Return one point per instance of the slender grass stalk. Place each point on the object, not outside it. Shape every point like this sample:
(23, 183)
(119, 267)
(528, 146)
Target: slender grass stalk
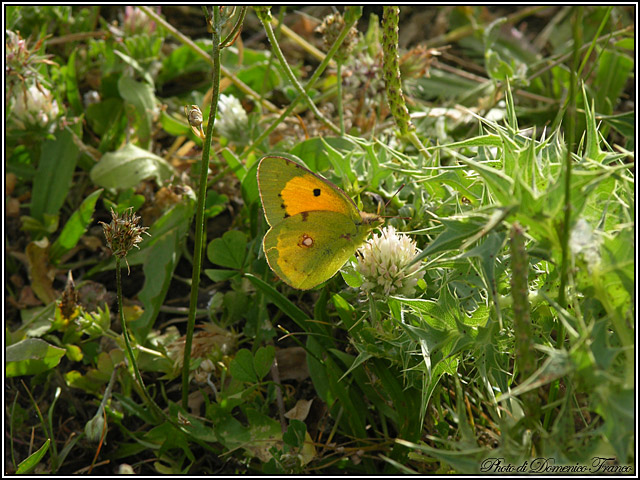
(265, 17)
(571, 135)
(339, 99)
(298, 40)
(267, 75)
(11, 418)
(314, 78)
(522, 319)
(48, 433)
(202, 192)
(127, 342)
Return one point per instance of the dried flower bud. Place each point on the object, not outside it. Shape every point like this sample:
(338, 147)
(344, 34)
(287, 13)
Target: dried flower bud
(194, 116)
(123, 233)
(93, 428)
(330, 29)
(69, 302)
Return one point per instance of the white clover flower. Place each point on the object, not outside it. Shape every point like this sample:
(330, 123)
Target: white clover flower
(383, 264)
(35, 106)
(232, 121)
(584, 241)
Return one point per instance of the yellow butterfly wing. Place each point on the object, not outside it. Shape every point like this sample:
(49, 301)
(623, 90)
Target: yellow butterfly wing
(308, 248)
(315, 226)
(287, 189)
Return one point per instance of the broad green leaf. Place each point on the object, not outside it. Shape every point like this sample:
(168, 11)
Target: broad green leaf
(616, 406)
(71, 83)
(215, 204)
(229, 250)
(315, 154)
(160, 258)
(129, 166)
(250, 193)
(263, 360)
(295, 434)
(54, 174)
(185, 62)
(142, 97)
(75, 227)
(265, 434)
(241, 367)
(236, 166)
(31, 356)
(219, 275)
(326, 375)
(613, 72)
(108, 121)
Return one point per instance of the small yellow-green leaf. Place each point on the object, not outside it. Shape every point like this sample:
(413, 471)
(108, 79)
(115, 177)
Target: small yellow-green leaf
(31, 356)
(32, 461)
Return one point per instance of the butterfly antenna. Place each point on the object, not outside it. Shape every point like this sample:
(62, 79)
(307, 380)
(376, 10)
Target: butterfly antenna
(389, 201)
(392, 197)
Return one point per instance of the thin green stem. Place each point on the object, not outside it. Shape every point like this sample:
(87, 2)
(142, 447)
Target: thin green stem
(48, 433)
(267, 75)
(202, 192)
(314, 78)
(603, 23)
(13, 410)
(571, 126)
(127, 341)
(339, 101)
(275, 47)
(132, 359)
(571, 134)
(228, 41)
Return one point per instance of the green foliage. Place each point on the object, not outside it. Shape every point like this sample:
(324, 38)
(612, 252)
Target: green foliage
(518, 342)
(31, 356)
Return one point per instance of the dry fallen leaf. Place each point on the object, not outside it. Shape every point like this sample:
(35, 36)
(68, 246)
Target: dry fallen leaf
(41, 273)
(300, 410)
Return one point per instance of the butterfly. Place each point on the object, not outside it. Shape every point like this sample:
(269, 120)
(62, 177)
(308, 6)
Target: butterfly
(315, 226)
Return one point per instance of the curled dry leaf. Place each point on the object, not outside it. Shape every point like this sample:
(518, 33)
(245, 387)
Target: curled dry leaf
(41, 272)
(300, 410)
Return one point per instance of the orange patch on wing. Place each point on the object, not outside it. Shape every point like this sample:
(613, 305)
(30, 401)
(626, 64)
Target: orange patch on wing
(308, 193)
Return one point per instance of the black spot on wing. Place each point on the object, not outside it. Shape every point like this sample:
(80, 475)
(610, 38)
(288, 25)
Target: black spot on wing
(316, 192)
